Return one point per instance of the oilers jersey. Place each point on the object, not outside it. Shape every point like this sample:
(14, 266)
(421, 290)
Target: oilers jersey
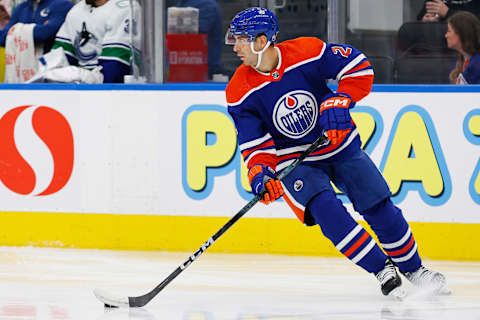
(471, 71)
(91, 36)
(276, 114)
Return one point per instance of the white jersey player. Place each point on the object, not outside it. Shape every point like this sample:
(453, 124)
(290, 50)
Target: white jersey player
(97, 33)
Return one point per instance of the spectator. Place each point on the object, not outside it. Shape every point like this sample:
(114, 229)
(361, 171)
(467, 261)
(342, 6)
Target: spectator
(96, 35)
(5, 11)
(210, 23)
(440, 10)
(427, 34)
(463, 36)
(47, 15)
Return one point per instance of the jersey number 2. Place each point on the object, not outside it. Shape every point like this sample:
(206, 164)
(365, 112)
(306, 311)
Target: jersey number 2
(343, 51)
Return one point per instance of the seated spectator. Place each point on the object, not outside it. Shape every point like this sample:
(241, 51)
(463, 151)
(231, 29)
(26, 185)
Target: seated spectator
(463, 36)
(29, 33)
(427, 33)
(5, 11)
(47, 15)
(210, 23)
(96, 36)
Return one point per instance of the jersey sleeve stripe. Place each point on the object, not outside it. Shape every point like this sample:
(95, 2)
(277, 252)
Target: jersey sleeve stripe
(63, 39)
(351, 65)
(264, 146)
(359, 73)
(116, 44)
(67, 46)
(256, 142)
(364, 65)
(258, 152)
(116, 53)
(114, 59)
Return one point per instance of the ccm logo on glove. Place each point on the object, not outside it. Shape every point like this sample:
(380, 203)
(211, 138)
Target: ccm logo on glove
(335, 117)
(335, 102)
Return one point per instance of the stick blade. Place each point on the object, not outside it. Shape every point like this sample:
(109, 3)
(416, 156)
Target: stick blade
(110, 300)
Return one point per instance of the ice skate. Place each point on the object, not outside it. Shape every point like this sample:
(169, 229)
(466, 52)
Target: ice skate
(429, 280)
(390, 281)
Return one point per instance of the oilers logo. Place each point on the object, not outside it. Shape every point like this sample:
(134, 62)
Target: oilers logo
(295, 113)
(298, 185)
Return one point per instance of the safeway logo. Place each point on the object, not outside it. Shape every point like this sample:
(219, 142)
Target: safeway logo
(38, 137)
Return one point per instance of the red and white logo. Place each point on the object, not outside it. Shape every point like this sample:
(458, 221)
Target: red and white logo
(36, 150)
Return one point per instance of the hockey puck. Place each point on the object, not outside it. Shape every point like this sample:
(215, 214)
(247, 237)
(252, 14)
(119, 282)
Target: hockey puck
(109, 306)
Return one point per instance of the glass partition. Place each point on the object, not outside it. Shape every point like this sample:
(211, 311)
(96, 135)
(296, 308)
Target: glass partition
(401, 48)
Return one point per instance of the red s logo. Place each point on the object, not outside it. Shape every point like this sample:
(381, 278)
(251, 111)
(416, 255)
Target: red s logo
(53, 129)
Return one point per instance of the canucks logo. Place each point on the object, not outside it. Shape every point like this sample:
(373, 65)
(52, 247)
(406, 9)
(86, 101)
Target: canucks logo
(85, 44)
(44, 13)
(295, 113)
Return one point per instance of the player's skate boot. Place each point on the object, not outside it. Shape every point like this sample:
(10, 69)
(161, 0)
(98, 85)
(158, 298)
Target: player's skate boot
(390, 281)
(428, 280)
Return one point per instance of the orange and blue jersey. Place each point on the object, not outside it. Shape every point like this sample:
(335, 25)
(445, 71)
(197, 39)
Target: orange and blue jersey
(276, 114)
(471, 71)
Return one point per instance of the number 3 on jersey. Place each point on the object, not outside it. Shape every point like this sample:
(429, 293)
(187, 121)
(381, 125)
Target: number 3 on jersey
(345, 52)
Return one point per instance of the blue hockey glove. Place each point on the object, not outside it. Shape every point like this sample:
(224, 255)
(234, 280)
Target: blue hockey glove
(335, 117)
(263, 181)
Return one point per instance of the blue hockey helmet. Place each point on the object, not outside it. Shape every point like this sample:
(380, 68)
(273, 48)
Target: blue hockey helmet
(253, 22)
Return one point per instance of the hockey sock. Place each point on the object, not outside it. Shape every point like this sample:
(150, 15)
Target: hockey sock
(394, 234)
(351, 239)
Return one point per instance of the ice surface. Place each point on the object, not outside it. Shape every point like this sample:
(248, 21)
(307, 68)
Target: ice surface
(45, 283)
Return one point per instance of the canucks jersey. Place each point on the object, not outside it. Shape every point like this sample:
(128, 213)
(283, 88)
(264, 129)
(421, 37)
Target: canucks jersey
(92, 36)
(276, 114)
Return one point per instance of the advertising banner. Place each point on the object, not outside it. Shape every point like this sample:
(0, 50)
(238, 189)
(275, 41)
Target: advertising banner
(175, 153)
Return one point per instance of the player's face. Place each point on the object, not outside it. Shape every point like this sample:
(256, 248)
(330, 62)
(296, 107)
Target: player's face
(453, 40)
(244, 52)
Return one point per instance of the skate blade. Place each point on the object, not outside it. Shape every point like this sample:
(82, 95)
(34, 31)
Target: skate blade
(398, 293)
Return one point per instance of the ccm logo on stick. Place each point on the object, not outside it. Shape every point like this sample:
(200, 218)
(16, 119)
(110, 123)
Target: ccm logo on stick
(38, 136)
(194, 256)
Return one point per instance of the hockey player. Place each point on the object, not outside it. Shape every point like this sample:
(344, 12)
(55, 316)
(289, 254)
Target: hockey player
(96, 33)
(280, 103)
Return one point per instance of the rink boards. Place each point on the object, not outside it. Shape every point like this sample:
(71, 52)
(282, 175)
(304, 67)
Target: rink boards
(158, 168)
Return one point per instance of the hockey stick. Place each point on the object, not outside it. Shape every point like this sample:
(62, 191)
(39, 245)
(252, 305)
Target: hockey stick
(116, 301)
